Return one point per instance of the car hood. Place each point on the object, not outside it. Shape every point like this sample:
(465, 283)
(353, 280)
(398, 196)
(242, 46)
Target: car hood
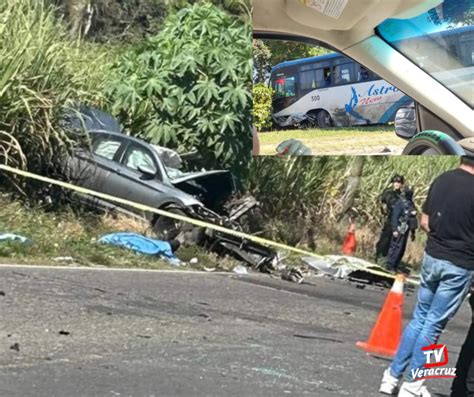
(212, 188)
(188, 176)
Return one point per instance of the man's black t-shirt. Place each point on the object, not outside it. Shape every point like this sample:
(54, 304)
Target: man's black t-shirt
(450, 206)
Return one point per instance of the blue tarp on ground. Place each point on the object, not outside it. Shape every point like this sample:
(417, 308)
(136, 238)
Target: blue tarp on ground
(142, 245)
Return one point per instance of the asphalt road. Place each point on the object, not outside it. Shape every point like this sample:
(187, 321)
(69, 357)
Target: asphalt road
(130, 333)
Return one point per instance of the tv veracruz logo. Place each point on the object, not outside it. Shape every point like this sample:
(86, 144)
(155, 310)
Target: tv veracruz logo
(437, 357)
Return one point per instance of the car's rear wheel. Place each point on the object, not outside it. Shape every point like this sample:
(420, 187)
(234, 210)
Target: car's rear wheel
(324, 119)
(433, 142)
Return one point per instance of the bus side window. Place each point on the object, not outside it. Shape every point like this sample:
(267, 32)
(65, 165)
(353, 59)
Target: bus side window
(344, 74)
(466, 45)
(363, 74)
(307, 80)
(290, 89)
(326, 77)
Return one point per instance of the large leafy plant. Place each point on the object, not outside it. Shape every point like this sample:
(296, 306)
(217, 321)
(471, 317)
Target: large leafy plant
(189, 87)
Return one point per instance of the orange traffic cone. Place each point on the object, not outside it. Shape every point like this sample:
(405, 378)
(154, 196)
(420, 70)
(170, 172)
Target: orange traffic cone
(349, 246)
(385, 336)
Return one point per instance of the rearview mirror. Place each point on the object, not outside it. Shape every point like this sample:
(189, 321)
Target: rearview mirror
(405, 122)
(148, 171)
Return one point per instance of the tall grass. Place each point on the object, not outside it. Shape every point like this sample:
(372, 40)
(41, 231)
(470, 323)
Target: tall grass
(42, 73)
(302, 195)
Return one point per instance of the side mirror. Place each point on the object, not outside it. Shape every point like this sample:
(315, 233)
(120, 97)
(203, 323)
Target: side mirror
(147, 171)
(405, 122)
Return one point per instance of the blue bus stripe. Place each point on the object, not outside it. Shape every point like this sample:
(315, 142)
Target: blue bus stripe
(390, 113)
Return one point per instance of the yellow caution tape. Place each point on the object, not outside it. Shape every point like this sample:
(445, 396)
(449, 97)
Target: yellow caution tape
(196, 222)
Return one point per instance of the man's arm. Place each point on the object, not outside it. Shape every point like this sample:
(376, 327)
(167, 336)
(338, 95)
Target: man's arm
(425, 222)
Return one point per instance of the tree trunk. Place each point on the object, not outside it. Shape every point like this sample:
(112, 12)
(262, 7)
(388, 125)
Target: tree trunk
(352, 187)
(79, 16)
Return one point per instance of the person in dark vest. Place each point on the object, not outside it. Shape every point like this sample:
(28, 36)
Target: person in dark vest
(404, 223)
(387, 200)
(463, 384)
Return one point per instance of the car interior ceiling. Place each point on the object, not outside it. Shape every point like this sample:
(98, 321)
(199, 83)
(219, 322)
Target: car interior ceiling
(356, 23)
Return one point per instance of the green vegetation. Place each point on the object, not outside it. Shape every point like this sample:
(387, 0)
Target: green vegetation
(304, 197)
(42, 73)
(338, 141)
(129, 21)
(262, 106)
(189, 87)
(67, 238)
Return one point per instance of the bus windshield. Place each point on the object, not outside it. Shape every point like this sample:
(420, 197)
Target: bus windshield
(284, 86)
(441, 42)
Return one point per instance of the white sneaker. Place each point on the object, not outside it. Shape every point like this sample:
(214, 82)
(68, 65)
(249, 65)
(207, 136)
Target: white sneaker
(414, 389)
(389, 383)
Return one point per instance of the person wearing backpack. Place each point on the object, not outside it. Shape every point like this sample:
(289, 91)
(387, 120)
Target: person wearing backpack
(388, 198)
(403, 224)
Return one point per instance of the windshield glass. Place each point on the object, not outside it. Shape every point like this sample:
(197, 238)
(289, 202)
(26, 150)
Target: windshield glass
(171, 160)
(441, 42)
(284, 86)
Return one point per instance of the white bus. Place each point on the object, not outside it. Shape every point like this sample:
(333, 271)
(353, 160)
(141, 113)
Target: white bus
(334, 90)
(331, 90)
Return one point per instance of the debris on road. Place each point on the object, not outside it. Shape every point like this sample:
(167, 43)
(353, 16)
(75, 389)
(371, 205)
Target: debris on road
(240, 270)
(65, 333)
(144, 245)
(2, 293)
(15, 346)
(292, 274)
(63, 259)
(345, 267)
(314, 336)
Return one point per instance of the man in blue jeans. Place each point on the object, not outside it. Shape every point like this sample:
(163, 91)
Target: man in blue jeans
(448, 264)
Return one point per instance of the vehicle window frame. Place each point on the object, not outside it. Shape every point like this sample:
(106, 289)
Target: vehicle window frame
(132, 145)
(103, 137)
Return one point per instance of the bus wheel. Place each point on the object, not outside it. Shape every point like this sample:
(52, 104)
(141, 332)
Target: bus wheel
(433, 142)
(324, 119)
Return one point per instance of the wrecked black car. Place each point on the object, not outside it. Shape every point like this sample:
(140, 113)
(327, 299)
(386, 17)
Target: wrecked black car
(129, 168)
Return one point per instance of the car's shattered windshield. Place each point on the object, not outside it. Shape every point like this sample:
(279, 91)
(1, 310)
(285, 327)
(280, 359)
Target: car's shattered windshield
(441, 42)
(172, 162)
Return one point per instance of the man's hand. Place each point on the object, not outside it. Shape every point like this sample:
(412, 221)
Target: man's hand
(425, 222)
